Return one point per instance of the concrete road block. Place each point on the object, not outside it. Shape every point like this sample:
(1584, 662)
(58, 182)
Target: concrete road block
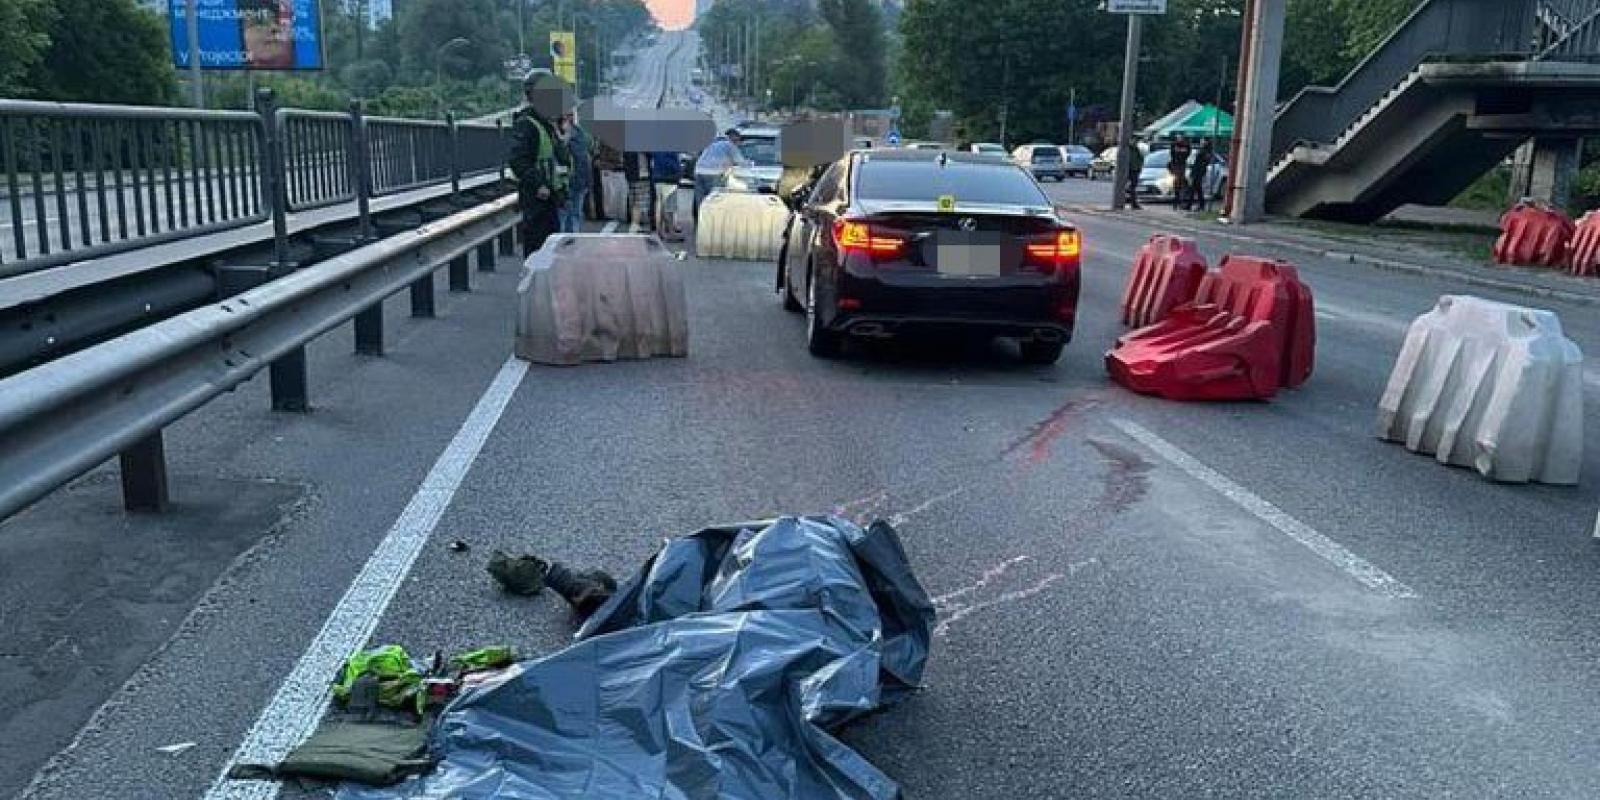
(736, 225)
(1491, 386)
(601, 297)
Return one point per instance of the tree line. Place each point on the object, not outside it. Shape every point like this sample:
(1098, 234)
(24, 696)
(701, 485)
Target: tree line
(117, 51)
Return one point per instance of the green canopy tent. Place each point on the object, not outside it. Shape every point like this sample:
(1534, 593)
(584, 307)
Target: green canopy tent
(1191, 119)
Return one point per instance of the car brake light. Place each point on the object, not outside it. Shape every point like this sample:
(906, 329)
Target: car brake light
(1064, 249)
(854, 235)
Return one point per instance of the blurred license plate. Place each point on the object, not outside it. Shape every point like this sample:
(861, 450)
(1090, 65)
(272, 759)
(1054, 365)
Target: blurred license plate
(963, 253)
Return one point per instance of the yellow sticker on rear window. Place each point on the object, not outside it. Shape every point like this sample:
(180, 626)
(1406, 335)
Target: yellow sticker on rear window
(947, 202)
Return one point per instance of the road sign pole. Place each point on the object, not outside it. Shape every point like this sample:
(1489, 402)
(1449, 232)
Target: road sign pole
(197, 83)
(1130, 85)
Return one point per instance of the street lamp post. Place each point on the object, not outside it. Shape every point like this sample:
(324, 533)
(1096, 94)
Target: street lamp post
(438, 65)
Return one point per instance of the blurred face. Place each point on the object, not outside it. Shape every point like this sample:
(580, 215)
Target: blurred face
(269, 33)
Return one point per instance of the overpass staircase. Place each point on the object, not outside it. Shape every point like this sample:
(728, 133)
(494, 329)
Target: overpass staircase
(1452, 92)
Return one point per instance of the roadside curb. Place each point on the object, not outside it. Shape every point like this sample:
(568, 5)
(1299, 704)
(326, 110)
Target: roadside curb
(1443, 273)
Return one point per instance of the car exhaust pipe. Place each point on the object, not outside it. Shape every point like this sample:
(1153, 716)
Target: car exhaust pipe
(1047, 335)
(868, 330)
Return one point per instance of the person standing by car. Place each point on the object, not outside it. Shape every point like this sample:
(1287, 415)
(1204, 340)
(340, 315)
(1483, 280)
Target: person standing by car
(1135, 156)
(580, 149)
(1178, 166)
(539, 159)
(1199, 167)
(718, 157)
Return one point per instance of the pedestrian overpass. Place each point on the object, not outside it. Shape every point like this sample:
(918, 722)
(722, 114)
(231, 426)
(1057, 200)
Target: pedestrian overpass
(1457, 88)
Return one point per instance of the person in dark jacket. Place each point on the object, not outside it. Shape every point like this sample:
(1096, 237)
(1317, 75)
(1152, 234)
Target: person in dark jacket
(581, 148)
(1135, 156)
(1199, 167)
(1178, 166)
(539, 159)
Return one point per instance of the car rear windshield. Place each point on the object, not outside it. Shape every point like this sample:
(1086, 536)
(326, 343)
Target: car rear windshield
(926, 181)
(1046, 154)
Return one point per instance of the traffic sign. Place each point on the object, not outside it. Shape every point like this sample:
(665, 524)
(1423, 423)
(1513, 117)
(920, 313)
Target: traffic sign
(893, 138)
(1136, 6)
(1072, 113)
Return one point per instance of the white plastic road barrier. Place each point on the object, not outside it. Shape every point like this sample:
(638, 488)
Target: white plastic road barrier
(601, 297)
(614, 196)
(1491, 386)
(737, 225)
(674, 211)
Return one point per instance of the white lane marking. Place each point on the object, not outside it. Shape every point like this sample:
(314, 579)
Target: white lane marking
(1331, 551)
(1597, 525)
(295, 710)
(609, 227)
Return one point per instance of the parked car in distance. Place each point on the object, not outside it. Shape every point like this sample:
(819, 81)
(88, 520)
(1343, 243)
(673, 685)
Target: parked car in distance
(1105, 164)
(1042, 160)
(923, 146)
(1077, 159)
(902, 242)
(988, 149)
(1156, 183)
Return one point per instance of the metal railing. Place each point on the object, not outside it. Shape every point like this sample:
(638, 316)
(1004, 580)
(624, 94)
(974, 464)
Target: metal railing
(81, 181)
(317, 157)
(408, 153)
(84, 181)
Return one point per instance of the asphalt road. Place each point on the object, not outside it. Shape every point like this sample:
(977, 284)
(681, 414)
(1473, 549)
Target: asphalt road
(1138, 598)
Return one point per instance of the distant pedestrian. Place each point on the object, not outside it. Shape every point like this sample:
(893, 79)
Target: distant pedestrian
(581, 149)
(1135, 158)
(718, 157)
(1199, 169)
(1178, 167)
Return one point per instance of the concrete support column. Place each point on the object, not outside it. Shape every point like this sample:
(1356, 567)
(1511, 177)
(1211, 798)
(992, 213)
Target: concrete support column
(1545, 169)
(1248, 184)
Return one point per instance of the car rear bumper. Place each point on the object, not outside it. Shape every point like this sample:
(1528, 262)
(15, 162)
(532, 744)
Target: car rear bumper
(874, 325)
(1028, 307)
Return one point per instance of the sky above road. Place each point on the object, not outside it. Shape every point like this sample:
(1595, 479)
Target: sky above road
(672, 14)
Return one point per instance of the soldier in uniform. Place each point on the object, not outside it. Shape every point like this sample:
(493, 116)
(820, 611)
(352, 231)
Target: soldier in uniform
(539, 159)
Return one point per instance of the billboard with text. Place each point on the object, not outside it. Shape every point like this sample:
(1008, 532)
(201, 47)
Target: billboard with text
(250, 34)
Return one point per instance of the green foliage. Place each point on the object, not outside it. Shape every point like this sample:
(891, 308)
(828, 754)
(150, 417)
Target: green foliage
(428, 26)
(24, 37)
(1489, 193)
(832, 56)
(104, 51)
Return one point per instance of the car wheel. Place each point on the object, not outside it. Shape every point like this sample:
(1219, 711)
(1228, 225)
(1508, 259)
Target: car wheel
(789, 303)
(1037, 352)
(822, 342)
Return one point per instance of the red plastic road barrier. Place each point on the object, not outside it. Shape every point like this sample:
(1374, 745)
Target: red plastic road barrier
(1166, 274)
(1585, 248)
(1533, 235)
(1250, 332)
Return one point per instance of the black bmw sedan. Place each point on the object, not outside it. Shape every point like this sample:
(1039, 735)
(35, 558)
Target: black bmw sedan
(900, 242)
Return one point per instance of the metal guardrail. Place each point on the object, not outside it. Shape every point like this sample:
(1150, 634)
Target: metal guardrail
(81, 181)
(64, 418)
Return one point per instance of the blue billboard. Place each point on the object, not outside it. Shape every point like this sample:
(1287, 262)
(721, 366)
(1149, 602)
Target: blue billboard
(250, 34)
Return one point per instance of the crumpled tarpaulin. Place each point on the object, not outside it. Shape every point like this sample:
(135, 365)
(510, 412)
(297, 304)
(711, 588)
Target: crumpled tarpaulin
(716, 672)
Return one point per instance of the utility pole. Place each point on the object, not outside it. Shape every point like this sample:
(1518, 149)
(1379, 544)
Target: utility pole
(1247, 187)
(1130, 83)
(197, 81)
(1072, 116)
